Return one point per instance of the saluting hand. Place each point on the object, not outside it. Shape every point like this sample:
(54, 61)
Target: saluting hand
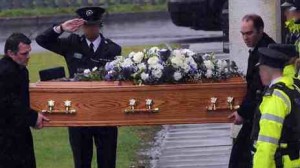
(40, 121)
(72, 25)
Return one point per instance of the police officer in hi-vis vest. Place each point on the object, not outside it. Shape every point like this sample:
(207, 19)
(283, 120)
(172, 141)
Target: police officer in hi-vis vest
(276, 123)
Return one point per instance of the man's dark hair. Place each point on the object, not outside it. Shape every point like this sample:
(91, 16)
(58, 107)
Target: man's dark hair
(256, 19)
(13, 41)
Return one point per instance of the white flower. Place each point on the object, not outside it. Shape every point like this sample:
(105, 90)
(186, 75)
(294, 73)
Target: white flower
(94, 69)
(138, 57)
(222, 64)
(131, 54)
(144, 76)
(153, 50)
(206, 56)
(226, 70)
(156, 66)
(176, 53)
(186, 68)
(157, 73)
(177, 76)
(208, 64)
(177, 61)
(209, 73)
(188, 52)
(86, 72)
(153, 60)
(127, 63)
(141, 66)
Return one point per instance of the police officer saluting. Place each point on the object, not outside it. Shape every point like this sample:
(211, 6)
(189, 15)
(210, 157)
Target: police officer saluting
(81, 52)
(276, 128)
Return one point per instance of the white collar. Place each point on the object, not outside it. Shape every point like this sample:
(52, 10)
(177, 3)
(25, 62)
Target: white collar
(95, 42)
(275, 81)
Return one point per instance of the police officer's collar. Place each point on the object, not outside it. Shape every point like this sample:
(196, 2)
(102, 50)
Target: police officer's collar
(274, 81)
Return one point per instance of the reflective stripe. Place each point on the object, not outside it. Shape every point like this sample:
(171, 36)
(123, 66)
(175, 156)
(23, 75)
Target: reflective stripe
(284, 98)
(272, 118)
(268, 139)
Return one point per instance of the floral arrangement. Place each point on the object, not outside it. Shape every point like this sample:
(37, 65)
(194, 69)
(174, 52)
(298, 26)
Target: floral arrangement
(156, 66)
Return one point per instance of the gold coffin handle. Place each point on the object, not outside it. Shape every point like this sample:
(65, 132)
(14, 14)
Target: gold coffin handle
(51, 108)
(149, 107)
(230, 105)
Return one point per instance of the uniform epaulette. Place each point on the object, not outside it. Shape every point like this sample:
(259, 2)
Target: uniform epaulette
(269, 91)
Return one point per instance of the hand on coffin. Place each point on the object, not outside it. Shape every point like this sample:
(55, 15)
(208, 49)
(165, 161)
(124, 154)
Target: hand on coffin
(40, 121)
(72, 25)
(237, 119)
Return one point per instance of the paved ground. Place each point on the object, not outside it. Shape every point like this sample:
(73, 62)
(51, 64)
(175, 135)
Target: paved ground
(196, 146)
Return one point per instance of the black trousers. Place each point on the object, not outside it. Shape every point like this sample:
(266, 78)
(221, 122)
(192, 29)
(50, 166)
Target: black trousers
(241, 156)
(105, 138)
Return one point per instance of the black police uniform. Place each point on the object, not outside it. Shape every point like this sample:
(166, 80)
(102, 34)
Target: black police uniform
(16, 144)
(78, 55)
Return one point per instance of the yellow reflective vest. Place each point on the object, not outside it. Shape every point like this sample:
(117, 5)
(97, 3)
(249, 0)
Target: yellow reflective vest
(275, 106)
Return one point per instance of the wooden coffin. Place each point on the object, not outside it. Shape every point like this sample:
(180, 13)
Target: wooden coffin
(107, 103)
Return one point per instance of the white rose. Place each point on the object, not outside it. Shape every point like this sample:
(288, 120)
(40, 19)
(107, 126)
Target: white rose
(94, 69)
(177, 53)
(138, 57)
(127, 63)
(144, 76)
(153, 60)
(177, 76)
(209, 73)
(86, 72)
(131, 54)
(177, 61)
(156, 66)
(141, 66)
(153, 50)
(157, 73)
(208, 64)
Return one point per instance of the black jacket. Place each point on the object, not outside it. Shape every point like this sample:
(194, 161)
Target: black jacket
(255, 88)
(16, 146)
(76, 50)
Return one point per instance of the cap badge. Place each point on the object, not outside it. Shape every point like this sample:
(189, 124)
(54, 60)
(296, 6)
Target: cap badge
(89, 12)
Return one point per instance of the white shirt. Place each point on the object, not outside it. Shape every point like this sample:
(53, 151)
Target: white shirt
(274, 81)
(96, 43)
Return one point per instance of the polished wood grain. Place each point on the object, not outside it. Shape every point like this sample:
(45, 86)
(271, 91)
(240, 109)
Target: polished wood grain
(104, 103)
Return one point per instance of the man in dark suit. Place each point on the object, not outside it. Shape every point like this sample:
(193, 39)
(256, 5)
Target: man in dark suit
(80, 52)
(252, 30)
(16, 146)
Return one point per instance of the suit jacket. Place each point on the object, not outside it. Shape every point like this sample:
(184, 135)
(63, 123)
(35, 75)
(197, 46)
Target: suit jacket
(76, 50)
(255, 87)
(16, 146)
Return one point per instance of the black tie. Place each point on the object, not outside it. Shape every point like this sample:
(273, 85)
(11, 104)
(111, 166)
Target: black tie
(92, 48)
